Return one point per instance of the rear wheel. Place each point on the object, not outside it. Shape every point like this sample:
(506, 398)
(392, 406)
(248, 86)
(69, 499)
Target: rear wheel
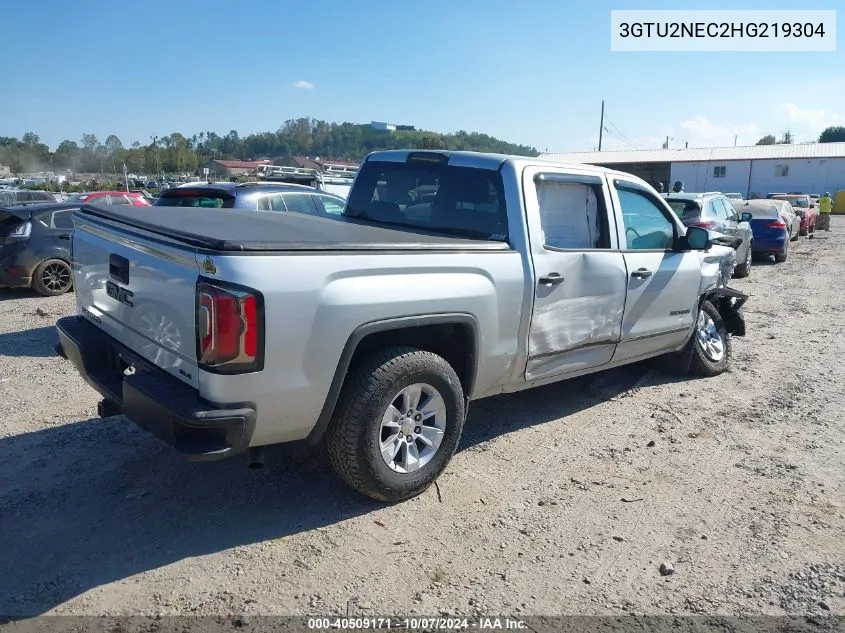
(397, 423)
(744, 269)
(781, 257)
(52, 277)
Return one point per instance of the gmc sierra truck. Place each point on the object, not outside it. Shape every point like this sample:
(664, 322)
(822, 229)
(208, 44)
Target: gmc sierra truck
(448, 277)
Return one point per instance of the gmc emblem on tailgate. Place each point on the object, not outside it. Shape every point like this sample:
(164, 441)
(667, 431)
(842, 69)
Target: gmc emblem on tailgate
(120, 294)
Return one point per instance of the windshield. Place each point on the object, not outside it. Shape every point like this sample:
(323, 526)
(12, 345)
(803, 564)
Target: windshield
(433, 196)
(196, 197)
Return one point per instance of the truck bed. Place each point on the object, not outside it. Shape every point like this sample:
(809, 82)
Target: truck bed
(247, 230)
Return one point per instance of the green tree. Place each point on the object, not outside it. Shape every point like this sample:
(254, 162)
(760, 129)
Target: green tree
(833, 134)
(769, 139)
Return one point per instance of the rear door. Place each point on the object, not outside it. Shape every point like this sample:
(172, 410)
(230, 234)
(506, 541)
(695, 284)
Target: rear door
(579, 272)
(720, 215)
(662, 284)
(61, 228)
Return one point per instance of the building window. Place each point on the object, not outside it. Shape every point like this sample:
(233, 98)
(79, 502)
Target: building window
(781, 171)
(719, 171)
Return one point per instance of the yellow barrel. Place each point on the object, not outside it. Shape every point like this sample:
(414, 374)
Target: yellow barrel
(839, 202)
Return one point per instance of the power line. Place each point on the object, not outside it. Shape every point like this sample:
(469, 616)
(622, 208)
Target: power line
(623, 135)
(620, 136)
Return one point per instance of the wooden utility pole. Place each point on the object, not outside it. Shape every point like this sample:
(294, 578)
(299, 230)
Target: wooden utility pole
(601, 126)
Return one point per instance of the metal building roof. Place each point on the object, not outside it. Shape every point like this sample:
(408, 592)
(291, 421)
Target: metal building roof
(691, 155)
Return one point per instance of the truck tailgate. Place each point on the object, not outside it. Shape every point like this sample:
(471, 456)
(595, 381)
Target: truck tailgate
(140, 289)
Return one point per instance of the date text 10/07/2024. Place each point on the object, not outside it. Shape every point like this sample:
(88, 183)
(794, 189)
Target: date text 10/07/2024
(419, 623)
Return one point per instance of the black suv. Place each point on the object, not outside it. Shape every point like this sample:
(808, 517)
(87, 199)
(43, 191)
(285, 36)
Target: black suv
(35, 247)
(258, 196)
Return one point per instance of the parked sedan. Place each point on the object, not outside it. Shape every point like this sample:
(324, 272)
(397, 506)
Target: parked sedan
(804, 204)
(35, 247)
(132, 198)
(771, 227)
(790, 215)
(713, 211)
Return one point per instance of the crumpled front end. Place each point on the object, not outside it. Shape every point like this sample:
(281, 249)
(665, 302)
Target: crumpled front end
(717, 267)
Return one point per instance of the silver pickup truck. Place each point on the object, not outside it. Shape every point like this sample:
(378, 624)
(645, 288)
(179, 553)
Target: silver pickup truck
(448, 277)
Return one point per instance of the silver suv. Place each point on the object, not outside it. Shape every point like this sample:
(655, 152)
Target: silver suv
(713, 211)
(257, 196)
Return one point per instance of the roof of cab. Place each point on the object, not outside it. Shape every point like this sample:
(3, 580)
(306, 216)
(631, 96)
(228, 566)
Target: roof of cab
(489, 160)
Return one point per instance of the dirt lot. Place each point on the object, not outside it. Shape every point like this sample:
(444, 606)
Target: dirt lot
(565, 499)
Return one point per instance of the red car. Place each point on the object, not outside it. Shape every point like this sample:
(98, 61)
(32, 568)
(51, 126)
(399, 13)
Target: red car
(806, 209)
(112, 197)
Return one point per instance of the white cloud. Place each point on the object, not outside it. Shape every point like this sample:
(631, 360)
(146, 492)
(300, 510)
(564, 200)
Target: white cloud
(810, 122)
(701, 131)
(302, 85)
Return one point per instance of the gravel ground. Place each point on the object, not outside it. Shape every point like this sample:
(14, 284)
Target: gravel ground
(562, 500)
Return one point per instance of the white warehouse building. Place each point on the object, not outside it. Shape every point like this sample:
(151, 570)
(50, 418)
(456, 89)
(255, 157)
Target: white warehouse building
(752, 171)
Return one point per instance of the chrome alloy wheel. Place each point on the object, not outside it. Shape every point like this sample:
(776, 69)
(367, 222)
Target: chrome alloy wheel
(708, 337)
(412, 428)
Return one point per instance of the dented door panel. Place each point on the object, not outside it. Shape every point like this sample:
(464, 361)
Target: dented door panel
(580, 277)
(577, 323)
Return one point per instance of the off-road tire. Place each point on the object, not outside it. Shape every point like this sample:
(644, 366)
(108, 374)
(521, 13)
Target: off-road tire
(353, 435)
(700, 365)
(41, 288)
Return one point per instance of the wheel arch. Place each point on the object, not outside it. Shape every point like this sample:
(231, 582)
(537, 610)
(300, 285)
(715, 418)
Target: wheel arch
(454, 336)
(728, 302)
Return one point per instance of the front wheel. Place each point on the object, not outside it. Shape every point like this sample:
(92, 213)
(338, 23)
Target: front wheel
(711, 343)
(397, 423)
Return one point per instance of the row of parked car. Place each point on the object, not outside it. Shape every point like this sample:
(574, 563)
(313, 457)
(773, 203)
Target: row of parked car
(765, 226)
(35, 232)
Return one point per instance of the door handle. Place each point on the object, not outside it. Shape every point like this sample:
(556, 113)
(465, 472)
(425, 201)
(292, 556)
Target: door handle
(552, 279)
(64, 237)
(641, 273)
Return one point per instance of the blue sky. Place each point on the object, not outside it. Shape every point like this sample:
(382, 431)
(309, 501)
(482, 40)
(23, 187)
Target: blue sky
(533, 72)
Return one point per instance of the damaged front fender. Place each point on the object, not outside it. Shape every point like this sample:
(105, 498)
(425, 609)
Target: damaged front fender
(729, 302)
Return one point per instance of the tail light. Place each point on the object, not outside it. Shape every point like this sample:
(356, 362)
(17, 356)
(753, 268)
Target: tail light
(777, 224)
(709, 225)
(20, 233)
(230, 328)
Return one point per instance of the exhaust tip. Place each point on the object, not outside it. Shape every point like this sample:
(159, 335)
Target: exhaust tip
(256, 458)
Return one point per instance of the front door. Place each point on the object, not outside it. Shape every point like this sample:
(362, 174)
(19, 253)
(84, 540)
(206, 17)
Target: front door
(663, 284)
(579, 272)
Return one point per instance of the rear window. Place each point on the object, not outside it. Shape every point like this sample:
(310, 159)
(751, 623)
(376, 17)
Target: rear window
(688, 208)
(199, 197)
(760, 211)
(802, 202)
(432, 196)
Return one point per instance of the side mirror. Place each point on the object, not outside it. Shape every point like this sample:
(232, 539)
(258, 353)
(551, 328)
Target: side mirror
(698, 239)
(745, 217)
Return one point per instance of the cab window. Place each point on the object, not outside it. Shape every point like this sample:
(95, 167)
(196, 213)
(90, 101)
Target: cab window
(647, 226)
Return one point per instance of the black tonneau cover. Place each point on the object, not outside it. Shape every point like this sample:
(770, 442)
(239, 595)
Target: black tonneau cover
(247, 230)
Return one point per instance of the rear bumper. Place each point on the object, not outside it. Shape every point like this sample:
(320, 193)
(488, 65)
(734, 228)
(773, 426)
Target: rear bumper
(153, 399)
(771, 244)
(15, 269)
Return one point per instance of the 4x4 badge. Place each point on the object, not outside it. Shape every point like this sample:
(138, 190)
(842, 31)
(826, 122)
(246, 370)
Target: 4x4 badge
(209, 267)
